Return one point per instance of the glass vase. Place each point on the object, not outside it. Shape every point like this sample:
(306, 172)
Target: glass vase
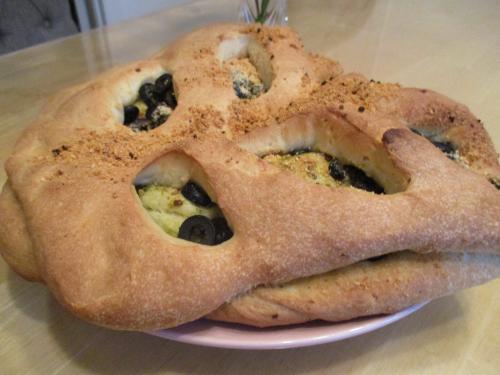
(267, 12)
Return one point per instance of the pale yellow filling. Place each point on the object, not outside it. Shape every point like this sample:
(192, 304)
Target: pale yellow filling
(168, 207)
(311, 166)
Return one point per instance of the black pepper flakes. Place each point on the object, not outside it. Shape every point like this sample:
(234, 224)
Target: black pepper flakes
(361, 109)
(451, 118)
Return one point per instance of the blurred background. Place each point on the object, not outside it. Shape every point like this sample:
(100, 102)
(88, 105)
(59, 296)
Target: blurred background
(24, 23)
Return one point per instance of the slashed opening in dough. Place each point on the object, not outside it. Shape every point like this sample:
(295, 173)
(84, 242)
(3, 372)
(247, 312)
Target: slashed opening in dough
(175, 193)
(446, 146)
(249, 64)
(152, 102)
(327, 150)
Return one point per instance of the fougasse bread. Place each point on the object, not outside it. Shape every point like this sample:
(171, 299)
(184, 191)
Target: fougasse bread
(234, 174)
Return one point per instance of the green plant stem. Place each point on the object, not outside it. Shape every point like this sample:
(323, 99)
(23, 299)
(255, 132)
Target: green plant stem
(262, 12)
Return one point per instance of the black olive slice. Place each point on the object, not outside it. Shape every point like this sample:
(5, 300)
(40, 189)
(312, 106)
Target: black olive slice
(139, 187)
(140, 125)
(336, 170)
(164, 83)
(240, 93)
(130, 114)
(199, 229)
(359, 179)
(447, 148)
(377, 258)
(171, 100)
(195, 193)
(222, 230)
(495, 182)
(149, 94)
(158, 114)
(299, 151)
(416, 131)
(149, 112)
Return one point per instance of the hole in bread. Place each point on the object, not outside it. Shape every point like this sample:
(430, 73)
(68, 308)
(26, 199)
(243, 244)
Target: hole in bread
(153, 104)
(323, 169)
(327, 150)
(174, 192)
(249, 64)
(448, 148)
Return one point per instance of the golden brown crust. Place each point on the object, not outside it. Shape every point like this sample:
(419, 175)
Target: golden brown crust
(106, 261)
(14, 236)
(367, 288)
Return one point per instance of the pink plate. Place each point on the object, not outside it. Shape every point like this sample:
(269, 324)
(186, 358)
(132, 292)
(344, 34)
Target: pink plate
(236, 336)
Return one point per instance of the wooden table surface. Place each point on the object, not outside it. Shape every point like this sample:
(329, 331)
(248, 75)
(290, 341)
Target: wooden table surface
(450, 46)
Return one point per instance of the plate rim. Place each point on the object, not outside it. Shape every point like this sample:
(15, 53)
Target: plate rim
(364, 325)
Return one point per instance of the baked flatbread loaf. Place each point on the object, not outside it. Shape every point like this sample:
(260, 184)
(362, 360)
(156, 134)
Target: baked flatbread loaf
(80, 209)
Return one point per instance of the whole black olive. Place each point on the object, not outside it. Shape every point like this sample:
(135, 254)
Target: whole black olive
(359, 179)
(195, 193)
(199, 229)
(222, 230)
(164, 83)
(149, 94)
(130, 114)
